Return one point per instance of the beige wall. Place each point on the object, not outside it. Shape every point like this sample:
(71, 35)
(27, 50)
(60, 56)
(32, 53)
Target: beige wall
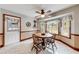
(1, 30)
(26, 35)
(26, 32)
(74, 41)
(1, 23)
(1, 40)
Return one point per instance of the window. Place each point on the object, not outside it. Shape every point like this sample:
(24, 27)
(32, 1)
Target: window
(61, 26)
(58, 25)
(42, 26)
(52, 26)
(66, 26)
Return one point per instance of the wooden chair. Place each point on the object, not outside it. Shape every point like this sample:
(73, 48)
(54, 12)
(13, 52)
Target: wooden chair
(37, 43)
(51, 41)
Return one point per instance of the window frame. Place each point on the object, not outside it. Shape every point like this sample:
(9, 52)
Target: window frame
(57, 24)
(69, 30)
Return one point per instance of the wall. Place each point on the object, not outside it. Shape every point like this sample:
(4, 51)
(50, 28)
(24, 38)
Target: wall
(74, 41)
(1, 30)
(23, 25)
(26, 32)
(24, 19)
(10, 36)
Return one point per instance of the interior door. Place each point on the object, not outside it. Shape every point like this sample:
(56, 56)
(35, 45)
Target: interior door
(12, 28)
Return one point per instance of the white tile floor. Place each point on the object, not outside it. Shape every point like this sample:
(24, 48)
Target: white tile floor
(25, 48)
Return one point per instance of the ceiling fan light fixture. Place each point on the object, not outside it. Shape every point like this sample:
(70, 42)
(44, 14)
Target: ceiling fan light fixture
(42, 15)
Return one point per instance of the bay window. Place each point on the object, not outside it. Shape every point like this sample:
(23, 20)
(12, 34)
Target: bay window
(57, 25)
(52, 26)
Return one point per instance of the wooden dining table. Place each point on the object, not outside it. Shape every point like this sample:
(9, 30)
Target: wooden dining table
(47, 35)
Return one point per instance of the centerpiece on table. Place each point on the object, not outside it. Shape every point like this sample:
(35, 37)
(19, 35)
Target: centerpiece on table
(43, 33)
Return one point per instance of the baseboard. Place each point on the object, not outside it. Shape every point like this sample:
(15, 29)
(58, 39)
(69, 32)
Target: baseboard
(26, 39)
(1, 46)
(77, 49)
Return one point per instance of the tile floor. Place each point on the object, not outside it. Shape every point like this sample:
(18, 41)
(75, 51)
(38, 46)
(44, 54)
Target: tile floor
(25, 48)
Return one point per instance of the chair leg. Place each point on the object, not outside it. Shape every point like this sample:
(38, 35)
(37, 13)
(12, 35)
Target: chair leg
(32, 47)
(53, 48)
(36, 51)
(55, 45)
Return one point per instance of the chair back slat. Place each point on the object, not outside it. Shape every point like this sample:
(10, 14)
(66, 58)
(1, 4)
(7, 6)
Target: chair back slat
(34, 38)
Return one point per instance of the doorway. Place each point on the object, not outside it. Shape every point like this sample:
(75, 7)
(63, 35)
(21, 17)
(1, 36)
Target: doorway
(11, 29)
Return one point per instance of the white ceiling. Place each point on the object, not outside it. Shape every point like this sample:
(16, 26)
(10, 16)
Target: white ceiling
(29, 9)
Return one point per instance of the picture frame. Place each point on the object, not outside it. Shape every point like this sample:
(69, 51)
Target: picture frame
(28, 24)
(12, 23)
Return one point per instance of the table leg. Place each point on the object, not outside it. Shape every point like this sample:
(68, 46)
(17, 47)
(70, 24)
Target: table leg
(43, 44)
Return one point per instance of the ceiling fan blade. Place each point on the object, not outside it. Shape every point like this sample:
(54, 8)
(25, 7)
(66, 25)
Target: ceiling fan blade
(47, 15)
(49, 11)
(38, 12)
(37, 16)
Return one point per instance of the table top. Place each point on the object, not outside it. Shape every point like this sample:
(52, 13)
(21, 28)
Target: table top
(47, 35)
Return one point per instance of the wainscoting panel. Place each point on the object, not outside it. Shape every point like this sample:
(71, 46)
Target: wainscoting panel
(1, 39)
(26, 34)
(73, 42)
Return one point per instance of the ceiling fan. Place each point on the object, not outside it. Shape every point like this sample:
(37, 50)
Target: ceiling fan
(42, 13)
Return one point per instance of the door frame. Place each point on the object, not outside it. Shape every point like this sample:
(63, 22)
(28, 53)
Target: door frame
(4, 26)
